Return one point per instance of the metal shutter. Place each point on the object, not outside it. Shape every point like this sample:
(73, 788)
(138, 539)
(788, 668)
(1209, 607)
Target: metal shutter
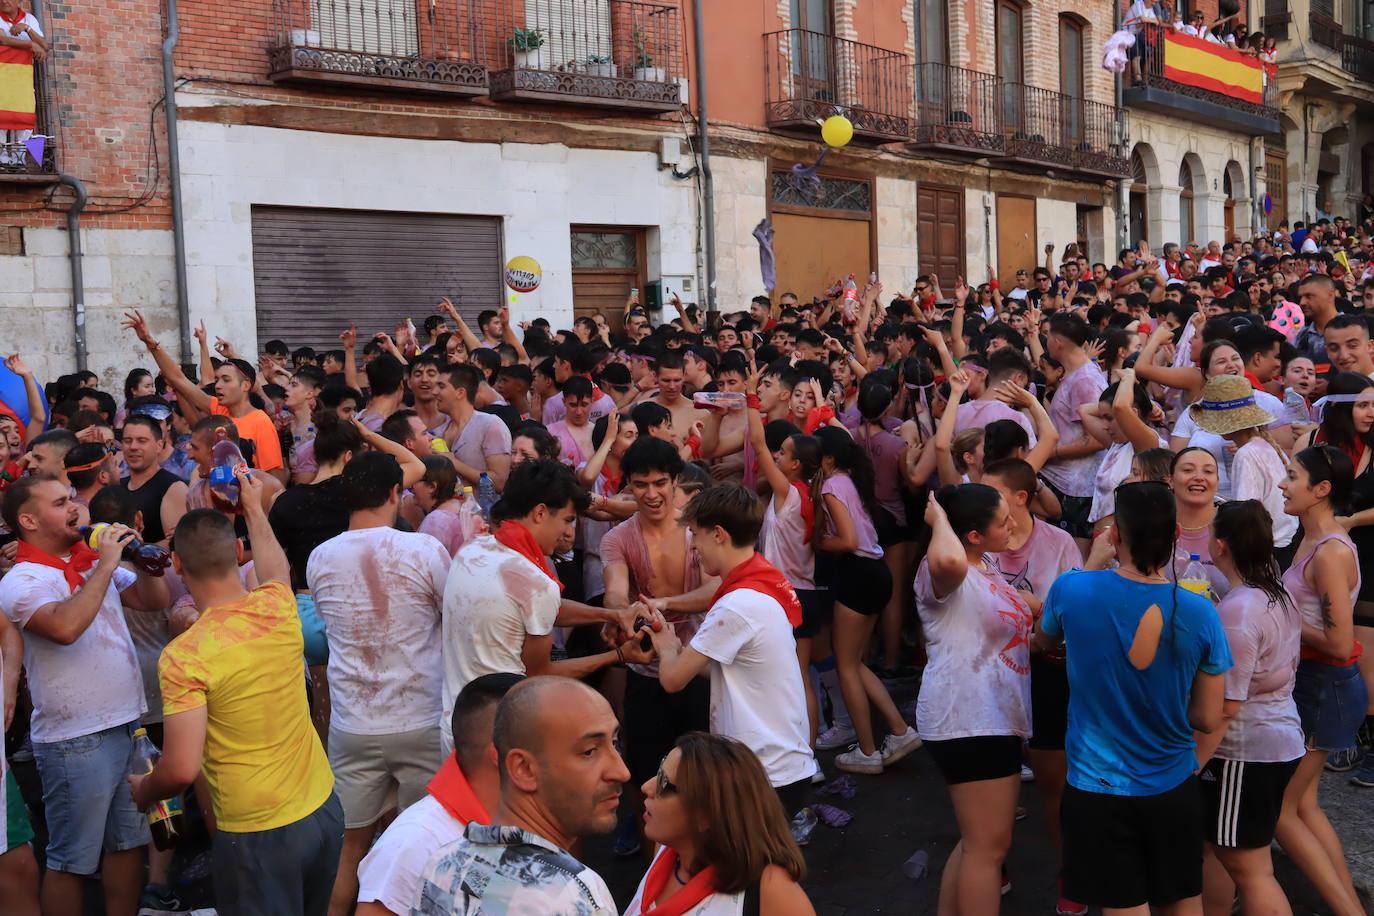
(314, 271)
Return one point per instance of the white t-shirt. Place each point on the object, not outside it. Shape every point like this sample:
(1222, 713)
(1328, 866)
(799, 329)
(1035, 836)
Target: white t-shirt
(483, 436)
(1111, 473)
(379, 591)
(757, 695)
(1309, 246)
(392, 871)
(1034, 566)
(493, 600)
(1185, 427)
(977, 677)
(92, 684)
(28, 20)
(1256, 471)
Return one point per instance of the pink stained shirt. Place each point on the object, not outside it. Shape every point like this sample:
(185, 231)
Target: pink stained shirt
(843, 489)
(784, 541)
(978, 414)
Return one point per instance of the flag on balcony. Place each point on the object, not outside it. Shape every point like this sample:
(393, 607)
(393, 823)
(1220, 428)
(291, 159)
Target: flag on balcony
(1206, 65)
(18, 106)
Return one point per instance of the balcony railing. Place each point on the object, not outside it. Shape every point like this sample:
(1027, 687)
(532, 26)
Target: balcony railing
(1325, 30)
(401, 44)
(1054, 129)
(612, 53)
(1156, 88)
(17, 161)
(957, 109)
(809, 76)
(1357, 58)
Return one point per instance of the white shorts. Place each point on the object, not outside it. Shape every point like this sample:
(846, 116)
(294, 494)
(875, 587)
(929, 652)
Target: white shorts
(370, 771)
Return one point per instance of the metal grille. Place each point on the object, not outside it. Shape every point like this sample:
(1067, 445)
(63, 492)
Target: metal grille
(604, 250)
(15, 157)
(810, 75)
(314, 271)
(823, 193)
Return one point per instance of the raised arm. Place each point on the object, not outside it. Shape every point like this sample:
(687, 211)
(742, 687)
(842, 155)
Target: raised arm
(64, 622)
(38, 405)
(944, 433)
(946, 557)
(592, 469)
(509, 336)
(1046, 436)
(186, 389)
(206, 362)
(687, 324)
(937, 340)
(349, 339)
(469, 339)
(1137, 431)
(412, 468)
(777, 480)
(956, 324)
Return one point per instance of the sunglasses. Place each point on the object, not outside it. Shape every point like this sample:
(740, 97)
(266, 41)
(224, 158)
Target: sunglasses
(661, 784)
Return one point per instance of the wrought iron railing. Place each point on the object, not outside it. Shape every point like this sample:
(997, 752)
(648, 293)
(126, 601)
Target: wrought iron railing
(1325, 30)
(1054, 128)
(616, 52)
(17, 156)
(959, 108)
(811, 75)
(1151, 45)
(429, 47)
(1357, 57)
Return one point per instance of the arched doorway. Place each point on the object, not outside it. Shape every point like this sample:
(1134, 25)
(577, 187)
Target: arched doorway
(1229, 207)
(1139, 220)
(1187, 222)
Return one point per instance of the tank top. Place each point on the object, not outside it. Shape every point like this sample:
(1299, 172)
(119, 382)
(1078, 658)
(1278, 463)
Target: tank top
(714, 905)
(1309, 602)
(148, 500)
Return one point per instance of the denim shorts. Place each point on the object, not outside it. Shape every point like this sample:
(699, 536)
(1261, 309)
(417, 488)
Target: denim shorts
(86, 799)
(1331, 703)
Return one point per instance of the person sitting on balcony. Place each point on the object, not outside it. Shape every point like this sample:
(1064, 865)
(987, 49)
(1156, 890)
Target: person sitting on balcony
(18, 29)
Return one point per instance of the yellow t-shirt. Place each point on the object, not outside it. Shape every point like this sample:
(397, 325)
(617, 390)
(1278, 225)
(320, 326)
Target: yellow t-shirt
(244, 661)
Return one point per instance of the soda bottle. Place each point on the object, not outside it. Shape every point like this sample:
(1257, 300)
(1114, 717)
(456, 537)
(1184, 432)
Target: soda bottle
(849, 310)
(225, 460)
(486, 495)
(150, 558)
(1194, 577)
(469, 516)
(165, 818)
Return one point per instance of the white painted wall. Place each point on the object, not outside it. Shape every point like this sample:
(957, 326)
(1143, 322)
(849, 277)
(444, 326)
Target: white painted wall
(1172, 139)
(537, 190)
(741, 188)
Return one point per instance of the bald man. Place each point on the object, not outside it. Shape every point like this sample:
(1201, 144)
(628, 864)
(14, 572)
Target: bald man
(561, 778)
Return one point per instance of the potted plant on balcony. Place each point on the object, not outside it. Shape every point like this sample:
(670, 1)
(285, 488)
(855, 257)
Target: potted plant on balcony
(526, 45)
(644, 61)
(599, 65)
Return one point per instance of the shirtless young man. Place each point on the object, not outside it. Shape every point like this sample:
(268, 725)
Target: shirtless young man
(670, 375)
(724, 432)
(574, 431)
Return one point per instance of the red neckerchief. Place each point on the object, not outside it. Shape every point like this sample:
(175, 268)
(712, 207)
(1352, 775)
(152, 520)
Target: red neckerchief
(808, 508)
(817, 417)
(19, 15)
(701, 886)
(1254, 381)
(450, 788)
(518, 538)
(758, 574)
(613, 481)
(83, 558)
(1354, 452)
(597, 393)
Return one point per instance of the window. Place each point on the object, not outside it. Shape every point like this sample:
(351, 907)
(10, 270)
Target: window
(812, 62)
(826, 193)
(385, 27)
(1071, 76)
(1186, 220)
(1010, 64)
(932, 32)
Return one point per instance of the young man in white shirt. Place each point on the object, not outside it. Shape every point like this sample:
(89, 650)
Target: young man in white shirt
(68, 600)
(379, 593)
(745, 642)
(467, 789)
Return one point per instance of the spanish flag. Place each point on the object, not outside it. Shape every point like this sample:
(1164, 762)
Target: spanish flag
(1206, 65)
(17, 101)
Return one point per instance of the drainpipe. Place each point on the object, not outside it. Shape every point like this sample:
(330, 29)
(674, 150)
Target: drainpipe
(169, 102)
(708, 188)
(1123, 195)
(74, 255)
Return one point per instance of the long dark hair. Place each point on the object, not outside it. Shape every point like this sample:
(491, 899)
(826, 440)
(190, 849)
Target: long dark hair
(131, 382)
(1248, 531)
(1328, 463)
(854, 461)
(1338, 419)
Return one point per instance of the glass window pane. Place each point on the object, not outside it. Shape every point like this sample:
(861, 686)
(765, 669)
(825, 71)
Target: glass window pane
(604, 250)
(824, 193)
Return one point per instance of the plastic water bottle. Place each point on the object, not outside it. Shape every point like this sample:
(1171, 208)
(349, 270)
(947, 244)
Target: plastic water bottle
(802, 825)
(225, 459)
(165, 818)
(470, 522)
(1194, 577)
(849, 309)
(486, 495)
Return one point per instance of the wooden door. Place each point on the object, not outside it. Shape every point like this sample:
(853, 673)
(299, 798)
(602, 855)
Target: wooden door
(1015, 236)
(607, 262)
(940, 233)
(1230, 216)
(812, 251)
(1276, 185)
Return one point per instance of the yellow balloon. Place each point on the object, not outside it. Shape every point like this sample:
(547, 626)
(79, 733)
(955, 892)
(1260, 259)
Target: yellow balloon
(837, 131)
(523, 274)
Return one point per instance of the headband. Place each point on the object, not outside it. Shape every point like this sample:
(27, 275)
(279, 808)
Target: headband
(1247, 401)
(1319, 406)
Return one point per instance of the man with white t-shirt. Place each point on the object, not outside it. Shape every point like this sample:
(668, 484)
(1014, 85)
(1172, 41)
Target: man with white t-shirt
(466, 789)
(745, 642)
(379, 593)
(69, 600)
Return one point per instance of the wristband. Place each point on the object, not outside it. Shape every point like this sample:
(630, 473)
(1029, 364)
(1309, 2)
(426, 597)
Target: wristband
(751, 400)
(992, 284)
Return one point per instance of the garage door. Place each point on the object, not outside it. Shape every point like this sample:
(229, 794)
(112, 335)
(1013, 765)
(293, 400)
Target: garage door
(314, 271)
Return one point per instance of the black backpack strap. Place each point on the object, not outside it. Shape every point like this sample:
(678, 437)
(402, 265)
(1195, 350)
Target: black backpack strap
(751, 899)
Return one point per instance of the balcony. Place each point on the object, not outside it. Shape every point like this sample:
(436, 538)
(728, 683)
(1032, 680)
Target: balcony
(1051, 129)
(621, 54)
(957, 111)
(18, 164)
(1202, 81)
(1357, 58)
(809, 76)
(378, 44)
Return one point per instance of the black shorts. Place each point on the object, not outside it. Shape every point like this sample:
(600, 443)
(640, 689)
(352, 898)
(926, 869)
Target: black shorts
(1122, 851)
(655, 719)
(976, 759)
(1049, 703)
(817, 606)
(862, 584)
(1243, 800)
(1073, 513)
(794, 796)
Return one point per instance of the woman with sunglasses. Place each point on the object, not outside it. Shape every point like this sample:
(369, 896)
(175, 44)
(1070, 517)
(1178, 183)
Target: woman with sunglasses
(724, 847)
(1323, 582)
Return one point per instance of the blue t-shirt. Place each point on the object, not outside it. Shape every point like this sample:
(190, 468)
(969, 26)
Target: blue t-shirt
(1128, 729)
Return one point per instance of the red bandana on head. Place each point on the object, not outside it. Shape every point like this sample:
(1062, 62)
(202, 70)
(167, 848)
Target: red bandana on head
(518, 538)
(701, 886)
(83, 558)
(757, 574)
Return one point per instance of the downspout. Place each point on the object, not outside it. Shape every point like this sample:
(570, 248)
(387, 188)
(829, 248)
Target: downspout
(1123, 194)
(74, 255)
(708, 188)
(169, 101)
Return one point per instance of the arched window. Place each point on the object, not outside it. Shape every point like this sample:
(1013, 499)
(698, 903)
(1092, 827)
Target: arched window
(1186, 221)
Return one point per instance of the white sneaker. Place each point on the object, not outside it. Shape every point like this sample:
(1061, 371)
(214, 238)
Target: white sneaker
(1027, 775)
(833, 737)
(895, 747)
(855, 760)
(818, 777)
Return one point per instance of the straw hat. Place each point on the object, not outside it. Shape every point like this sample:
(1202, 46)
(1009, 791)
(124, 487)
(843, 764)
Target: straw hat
(1227, 405)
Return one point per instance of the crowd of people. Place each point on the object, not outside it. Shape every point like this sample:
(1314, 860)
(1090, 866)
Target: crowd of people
(442, 607)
